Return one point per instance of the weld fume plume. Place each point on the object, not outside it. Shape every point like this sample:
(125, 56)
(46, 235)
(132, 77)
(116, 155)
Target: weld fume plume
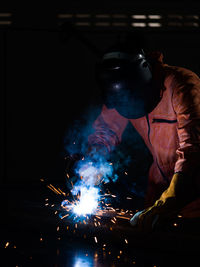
(92, 175)
(131, 155)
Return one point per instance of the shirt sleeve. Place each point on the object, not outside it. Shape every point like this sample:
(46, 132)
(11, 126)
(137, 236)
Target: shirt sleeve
(186, 103)
(108, 129)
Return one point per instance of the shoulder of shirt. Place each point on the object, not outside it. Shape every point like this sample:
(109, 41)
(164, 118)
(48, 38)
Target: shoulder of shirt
(179, 74)
(157, 58)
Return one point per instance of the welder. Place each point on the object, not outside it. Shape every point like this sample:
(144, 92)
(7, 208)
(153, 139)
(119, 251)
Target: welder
(162, 102)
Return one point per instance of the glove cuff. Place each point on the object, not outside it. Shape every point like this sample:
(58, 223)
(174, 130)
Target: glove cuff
(179, 193)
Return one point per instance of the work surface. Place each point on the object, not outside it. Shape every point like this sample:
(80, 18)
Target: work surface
(33, 234)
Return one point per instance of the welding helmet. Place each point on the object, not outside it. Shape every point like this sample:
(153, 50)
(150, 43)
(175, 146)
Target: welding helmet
(126, 82)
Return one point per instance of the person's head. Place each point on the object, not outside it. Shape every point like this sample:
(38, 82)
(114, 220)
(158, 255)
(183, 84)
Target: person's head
(125, 79)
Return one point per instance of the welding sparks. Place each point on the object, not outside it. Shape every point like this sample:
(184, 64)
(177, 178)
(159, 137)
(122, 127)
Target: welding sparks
(7, 244)
(86, 192)
(88, 201)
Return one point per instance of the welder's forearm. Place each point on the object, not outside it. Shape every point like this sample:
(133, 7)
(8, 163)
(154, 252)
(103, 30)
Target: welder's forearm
(108, 129)
(104, 140)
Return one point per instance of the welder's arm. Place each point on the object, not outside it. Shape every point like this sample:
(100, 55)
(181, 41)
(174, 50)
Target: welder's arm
(182, 189)
(108, 130)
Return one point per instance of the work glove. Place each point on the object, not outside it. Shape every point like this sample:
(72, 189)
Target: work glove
(179, 193)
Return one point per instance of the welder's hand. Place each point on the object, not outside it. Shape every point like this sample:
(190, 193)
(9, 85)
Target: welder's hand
(147, 219)
(135, 218)
(179, 193)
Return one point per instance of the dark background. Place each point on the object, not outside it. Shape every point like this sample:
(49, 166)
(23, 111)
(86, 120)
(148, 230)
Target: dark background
(49, 97)
(47, 71)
